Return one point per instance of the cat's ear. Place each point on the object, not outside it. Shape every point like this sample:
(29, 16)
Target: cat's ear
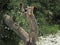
(22, 7)
(31, 7)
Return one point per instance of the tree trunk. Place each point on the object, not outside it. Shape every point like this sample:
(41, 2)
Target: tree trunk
(18, 30)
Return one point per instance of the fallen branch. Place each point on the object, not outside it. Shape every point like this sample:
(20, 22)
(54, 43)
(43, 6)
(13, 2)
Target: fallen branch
(18, 30)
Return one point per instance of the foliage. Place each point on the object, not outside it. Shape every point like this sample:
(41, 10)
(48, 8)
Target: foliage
(47, 13)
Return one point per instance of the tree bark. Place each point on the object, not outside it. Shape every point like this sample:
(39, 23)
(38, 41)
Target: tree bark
(18, 30)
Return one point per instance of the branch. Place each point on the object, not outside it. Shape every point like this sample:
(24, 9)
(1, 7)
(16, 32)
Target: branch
(18, 30)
